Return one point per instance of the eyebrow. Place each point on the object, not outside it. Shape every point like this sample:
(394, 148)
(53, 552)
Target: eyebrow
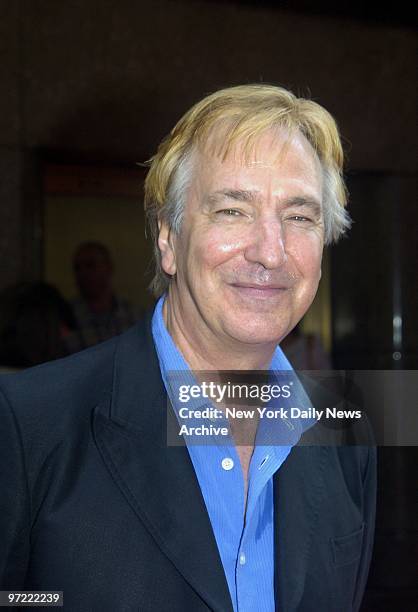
(238, 195)
(301, 201)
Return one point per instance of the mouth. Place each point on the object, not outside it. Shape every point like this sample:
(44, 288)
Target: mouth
(251, 290)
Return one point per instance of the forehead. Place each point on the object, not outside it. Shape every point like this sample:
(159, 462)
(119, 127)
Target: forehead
(277, 157)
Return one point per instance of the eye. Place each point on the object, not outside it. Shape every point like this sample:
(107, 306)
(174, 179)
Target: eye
(300, 218)
(229, 212)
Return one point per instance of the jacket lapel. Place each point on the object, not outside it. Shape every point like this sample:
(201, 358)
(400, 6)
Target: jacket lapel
(158, 482)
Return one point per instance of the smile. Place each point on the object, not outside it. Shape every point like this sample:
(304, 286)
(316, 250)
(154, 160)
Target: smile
(258, 291)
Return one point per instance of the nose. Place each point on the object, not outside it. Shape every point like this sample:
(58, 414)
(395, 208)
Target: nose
(267, 246)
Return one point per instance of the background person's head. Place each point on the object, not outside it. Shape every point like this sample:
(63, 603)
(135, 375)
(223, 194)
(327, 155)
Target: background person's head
(93, 269)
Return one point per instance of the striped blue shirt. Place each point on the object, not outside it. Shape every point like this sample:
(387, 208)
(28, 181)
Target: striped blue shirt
(245, 539)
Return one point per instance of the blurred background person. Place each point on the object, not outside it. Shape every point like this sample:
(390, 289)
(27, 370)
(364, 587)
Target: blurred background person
(99, 313)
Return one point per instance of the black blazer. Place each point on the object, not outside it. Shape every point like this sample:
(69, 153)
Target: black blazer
(94, 503)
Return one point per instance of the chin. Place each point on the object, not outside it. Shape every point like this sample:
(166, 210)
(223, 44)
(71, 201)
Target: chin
(253, 331)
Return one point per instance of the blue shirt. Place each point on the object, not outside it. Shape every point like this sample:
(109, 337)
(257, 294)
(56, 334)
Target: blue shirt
(246, 547)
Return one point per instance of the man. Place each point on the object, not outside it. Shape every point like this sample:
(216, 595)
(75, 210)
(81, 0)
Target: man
(99, 312)
(241, 197)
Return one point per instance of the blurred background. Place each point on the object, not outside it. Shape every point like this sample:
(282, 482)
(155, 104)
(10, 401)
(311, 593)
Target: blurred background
(89, 88)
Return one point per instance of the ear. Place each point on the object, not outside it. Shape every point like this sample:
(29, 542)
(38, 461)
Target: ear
(166, 246)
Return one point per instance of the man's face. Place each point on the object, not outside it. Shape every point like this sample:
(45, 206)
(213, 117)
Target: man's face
(247, 261)
(93, 272)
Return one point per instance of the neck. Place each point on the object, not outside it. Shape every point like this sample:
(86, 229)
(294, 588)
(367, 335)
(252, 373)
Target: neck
(203, 351)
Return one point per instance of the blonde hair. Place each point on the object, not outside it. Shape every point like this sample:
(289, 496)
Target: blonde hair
(243, 114)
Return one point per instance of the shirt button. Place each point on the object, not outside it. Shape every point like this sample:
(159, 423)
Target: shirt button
(227, 463)
(242, 559)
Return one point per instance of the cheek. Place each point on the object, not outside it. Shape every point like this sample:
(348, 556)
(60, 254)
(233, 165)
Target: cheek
(215, 247)
(306, 253)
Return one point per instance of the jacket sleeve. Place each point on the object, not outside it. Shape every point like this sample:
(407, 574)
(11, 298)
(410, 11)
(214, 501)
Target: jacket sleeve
(369, 513)
(14, 502)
